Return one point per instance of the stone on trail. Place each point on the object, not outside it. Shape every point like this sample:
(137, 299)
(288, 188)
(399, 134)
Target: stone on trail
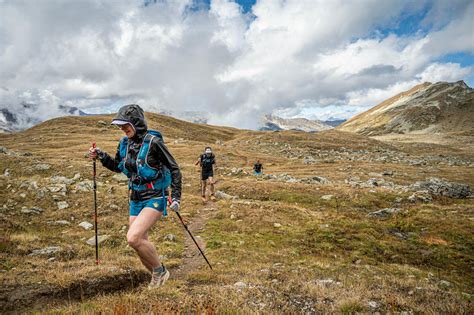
(384, 212)
(86, 225)
(327, 197)
(277, 225)
(6, 173)
(100, 239)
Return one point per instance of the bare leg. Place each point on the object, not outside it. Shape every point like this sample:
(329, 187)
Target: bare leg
(211, 185)
(203, 188)
(137, 237)
(132, 219)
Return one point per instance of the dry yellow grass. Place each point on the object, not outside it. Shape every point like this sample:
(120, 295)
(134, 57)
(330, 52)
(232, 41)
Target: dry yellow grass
(291, 250)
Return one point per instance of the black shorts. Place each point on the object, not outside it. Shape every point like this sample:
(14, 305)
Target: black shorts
(206, 175)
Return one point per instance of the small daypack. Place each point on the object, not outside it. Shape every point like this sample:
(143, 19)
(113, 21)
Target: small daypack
(147, 177)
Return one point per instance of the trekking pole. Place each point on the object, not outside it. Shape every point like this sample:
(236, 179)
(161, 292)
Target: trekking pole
(189, 232)
(95, 211)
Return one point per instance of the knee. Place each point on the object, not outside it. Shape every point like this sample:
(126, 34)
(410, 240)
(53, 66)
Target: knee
(134, 240)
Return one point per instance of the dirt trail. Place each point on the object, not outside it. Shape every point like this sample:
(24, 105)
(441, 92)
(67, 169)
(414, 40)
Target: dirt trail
(192, 258)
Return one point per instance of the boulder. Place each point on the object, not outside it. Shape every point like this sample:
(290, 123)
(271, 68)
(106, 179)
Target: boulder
(439, 187)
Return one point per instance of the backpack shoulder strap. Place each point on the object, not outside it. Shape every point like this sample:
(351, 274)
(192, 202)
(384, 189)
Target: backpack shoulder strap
(123, 147)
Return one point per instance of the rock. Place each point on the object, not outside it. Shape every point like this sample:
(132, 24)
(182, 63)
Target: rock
(237, 171)
(316, 180)
(373, 304)
(170, 237)
(77, 176)
(233, 216)
(327, 197)
(102, 123)
(58, 188)
(45, 251)
(308, 160)
(121, 177)
(445, 283)
(42, 167)
(100, 239)
(86, 185)
(240, 285)
(384, 212)
(375, 182)
(387, 173)
(436, 186)
(86, 225)
(421, 195)
(40, 193)
(277, 225)
(219, 142)
(35, 210)
(23, 195)
(62, 205)
(62, 180)
(222, 195)
(6, 173)
(62, 222)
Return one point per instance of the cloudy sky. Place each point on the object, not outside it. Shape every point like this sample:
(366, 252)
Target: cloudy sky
(237, 60)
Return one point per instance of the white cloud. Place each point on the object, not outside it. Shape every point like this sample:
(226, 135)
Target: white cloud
(316, 58)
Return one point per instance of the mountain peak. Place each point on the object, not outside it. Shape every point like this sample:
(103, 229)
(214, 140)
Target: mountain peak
(426, 108)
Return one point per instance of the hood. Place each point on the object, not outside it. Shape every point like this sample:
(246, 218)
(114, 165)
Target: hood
(133, 114)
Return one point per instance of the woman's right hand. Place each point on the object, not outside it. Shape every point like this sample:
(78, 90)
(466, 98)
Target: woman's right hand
(94, 153)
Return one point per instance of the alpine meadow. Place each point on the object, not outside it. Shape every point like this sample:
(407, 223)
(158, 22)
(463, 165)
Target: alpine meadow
(237, 157)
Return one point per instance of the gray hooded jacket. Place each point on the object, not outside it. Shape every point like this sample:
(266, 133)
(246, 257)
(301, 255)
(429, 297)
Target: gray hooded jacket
(158, 156)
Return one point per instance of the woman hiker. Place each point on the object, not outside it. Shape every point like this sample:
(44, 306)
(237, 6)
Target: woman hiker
(150, 167)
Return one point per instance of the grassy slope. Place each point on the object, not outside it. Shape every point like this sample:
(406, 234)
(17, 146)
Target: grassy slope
(282, 266)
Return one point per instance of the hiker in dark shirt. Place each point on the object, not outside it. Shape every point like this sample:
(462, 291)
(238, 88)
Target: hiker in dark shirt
(258, 168)
(207, 161)
(151, 169)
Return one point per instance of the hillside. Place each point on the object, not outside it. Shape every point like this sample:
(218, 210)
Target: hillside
(427, 108)
(338, 223)
(273, 123)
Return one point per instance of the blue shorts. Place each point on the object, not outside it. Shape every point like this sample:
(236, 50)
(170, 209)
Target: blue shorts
(257, 173)
(159, 204)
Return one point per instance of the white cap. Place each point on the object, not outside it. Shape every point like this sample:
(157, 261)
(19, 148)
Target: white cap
(208, 150)
(119, 122)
